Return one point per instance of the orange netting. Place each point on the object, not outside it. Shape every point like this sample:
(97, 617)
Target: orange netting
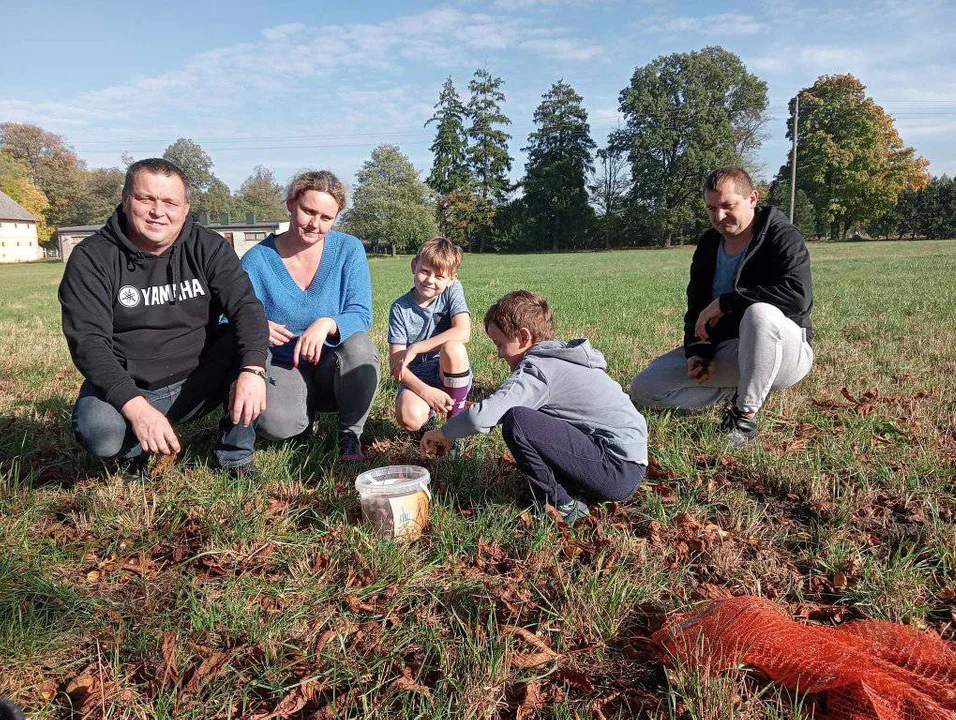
(864, 670)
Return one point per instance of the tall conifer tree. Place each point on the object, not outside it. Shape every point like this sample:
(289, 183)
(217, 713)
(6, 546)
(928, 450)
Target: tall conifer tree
(487, 152)
(450, 168)
(560, 155)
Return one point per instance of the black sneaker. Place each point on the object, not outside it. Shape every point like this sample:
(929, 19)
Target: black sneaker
(350, 447)
(249, 471)
(135, 470)
(9, 710)
(739, 428)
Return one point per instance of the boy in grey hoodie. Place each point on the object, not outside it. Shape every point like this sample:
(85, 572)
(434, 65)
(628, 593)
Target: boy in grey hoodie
(569, 425)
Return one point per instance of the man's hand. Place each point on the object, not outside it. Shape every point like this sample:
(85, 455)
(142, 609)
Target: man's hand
(279, 334)
(700, 370)
(438, 400)
(309, 345)
(151, 427)
(400, 361)
(708, 316)
(247, 398)
(434, 442)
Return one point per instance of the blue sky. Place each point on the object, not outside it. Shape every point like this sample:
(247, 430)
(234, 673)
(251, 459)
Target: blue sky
(294, 85)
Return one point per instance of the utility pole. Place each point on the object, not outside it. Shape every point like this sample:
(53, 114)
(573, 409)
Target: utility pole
(793, 157)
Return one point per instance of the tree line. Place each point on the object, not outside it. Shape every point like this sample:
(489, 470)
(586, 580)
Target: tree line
(41, 172)
(682, 115)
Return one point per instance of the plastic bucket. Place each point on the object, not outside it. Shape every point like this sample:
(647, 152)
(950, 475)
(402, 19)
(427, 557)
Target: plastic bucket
(395, 500)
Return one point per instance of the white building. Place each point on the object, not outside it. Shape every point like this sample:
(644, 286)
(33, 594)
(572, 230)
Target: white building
(68, 238)
(18, 233)
(243, 236)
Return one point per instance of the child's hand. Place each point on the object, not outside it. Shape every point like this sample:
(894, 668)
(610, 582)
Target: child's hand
(400, 361)
(434, 443)
(438, 400)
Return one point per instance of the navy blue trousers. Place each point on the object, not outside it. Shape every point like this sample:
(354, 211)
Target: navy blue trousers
(563, 463)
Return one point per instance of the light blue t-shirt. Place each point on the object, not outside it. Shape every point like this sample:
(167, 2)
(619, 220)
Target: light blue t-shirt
(410, 323)
(725, 271)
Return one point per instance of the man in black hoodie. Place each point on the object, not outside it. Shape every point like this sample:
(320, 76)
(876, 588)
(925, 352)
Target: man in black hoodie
(142, 300)
(747, 328)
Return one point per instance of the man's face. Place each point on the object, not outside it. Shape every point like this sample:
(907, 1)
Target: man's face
(156, 210)
(729, 212)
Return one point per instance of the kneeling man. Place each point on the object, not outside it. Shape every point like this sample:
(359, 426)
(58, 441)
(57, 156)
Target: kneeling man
(747, 328)
(142, 300)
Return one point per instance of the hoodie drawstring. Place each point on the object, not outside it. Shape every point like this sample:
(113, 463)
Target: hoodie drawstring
(173, 268)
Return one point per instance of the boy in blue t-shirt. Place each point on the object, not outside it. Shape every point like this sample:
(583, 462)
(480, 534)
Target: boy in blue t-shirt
(428, 328)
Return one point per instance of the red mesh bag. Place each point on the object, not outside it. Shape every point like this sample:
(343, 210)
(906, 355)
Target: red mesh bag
(864, 670)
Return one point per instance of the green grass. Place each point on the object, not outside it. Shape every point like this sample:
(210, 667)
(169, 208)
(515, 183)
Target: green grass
(201, 595)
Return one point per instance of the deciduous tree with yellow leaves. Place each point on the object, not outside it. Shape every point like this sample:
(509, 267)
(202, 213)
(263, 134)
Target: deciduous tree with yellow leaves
(851, 162)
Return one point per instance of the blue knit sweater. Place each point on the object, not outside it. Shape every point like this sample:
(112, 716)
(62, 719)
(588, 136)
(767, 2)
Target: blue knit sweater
(341, 290)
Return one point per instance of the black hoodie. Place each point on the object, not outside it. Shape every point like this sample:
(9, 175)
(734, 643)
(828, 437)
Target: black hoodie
(775, 270)
(138, 321)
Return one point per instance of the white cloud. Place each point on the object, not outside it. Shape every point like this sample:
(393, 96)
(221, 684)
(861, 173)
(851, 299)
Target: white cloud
(563, 48)
(724, 24)
(291, 57)
(832, 60)
(527, 4)
(280, 31)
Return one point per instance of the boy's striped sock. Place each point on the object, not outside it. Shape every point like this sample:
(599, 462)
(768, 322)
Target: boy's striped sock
(457, 385)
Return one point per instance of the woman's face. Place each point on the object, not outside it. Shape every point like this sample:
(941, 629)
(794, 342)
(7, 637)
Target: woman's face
(311, 216)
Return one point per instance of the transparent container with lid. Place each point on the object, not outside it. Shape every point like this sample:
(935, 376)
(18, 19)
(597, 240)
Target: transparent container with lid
(395, 500)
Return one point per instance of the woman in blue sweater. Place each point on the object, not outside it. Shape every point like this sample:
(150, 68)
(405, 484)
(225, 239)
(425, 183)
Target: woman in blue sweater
(314, 284)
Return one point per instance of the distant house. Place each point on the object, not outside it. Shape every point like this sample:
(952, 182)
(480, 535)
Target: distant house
(241, 235)
(18, 233)
(68, 238)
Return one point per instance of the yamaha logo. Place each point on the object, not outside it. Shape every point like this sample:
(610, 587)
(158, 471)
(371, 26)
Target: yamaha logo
(128, 296)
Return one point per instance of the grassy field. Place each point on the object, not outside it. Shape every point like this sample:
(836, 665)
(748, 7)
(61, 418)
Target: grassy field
(197, 595)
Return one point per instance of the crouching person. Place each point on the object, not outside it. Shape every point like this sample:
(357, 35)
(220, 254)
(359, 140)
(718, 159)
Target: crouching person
(747, 328)
(569, 425)
(141, 300)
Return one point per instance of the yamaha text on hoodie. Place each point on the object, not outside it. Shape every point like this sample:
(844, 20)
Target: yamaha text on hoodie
(134, 320)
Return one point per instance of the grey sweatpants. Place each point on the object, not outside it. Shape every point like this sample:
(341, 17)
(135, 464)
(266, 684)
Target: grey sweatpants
(345, 380)
(771, 353)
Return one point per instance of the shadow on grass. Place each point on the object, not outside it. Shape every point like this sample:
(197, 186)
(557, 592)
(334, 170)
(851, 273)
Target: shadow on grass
(40, 450)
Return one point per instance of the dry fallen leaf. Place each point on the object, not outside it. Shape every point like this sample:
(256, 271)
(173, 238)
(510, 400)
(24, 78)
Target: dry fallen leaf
(406, 682)
(531, 702)
(48, 690)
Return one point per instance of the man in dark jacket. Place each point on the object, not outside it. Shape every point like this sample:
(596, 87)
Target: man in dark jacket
(142, 300)
(747, 328)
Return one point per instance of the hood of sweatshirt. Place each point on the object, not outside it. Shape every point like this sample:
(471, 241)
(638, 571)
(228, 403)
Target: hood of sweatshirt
(579, 352)
(769, 216)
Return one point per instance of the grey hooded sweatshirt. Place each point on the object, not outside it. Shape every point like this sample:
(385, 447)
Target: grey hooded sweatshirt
(566, 380)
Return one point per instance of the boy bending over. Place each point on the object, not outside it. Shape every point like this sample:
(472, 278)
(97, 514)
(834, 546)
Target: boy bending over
(569, 425)
(428, 328)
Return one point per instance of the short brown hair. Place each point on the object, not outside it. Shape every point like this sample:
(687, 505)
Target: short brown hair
(318, 180)
(154, 166)
(738, 176)
(522, 309)
(441, 254)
